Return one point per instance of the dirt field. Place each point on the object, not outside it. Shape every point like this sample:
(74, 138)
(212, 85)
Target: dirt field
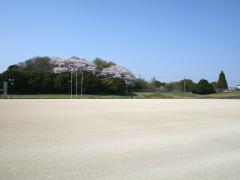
(119, 139)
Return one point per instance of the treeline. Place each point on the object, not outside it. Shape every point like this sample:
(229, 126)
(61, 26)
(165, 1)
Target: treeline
(35, 76)
(186, 85)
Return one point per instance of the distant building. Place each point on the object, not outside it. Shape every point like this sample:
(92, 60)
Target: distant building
(238, 87)
(230, 89)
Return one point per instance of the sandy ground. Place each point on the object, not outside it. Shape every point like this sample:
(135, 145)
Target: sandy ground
(120, 139)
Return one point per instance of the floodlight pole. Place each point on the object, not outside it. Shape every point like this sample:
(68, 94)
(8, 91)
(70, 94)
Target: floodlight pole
(184, 85)
(11, 81)
(5, 89)
(127, 86)
(82, 85)
(71, 85)
(76, 84)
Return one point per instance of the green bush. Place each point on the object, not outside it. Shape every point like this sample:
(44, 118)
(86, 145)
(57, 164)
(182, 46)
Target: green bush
(203, 87)
(143, 85)
(179, 86)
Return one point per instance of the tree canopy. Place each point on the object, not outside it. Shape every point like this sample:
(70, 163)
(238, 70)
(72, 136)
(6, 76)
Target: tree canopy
(203, 87)
(28, 81)
(37, 64)
(36, 76)
(101, 64)
(114, 86)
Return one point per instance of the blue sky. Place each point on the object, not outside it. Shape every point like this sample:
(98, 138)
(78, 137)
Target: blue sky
(163, 38)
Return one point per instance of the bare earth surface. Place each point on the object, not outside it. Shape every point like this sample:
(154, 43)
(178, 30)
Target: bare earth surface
(120, 139)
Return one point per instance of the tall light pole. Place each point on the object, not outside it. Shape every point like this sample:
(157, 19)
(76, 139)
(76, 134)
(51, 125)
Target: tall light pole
(11, 81)
(71, 84)
(76, 84)
(82, 84)
(127, 85)
(71, 81)
(5, 89)
(184, 85)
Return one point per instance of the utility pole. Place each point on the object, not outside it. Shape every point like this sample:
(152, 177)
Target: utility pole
(76, 84)
(82, 85)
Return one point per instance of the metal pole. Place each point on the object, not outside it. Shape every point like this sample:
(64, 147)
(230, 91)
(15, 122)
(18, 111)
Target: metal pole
(82, 84)
(184, 85)
(5, 89)
(71, 84)
(76, 84)
(11, 81)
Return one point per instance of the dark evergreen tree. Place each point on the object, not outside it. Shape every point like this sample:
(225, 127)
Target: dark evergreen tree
(222, 82)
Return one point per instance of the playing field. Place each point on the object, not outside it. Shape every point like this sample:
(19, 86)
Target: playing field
(119, 139)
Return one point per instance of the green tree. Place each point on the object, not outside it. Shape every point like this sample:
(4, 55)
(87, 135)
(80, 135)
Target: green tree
(169, 86)
(37, 64)
(157, 84)
(222, 82)
(61, 83)
(114, 86)
(188, 85)
(179, 86)
(13, 67)
(101, 64)
(1, 82)
(35, 80)
(214, 84)
(91, 83)
(1, 77)
(48, 82)
(203, 87)
(20, 81)
(143, 85)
